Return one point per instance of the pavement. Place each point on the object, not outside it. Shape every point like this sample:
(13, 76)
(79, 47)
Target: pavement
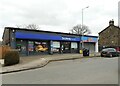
(33, 62)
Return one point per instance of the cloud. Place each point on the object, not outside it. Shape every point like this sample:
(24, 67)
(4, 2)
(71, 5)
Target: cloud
(58, 14)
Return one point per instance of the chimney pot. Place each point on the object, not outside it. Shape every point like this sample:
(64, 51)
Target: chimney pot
(111, 22)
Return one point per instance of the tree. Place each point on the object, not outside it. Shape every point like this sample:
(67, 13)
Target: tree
(32, 26)
(29, 26)
(78, 29)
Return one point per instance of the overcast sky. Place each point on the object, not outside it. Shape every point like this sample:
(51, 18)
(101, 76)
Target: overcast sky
(58, 15)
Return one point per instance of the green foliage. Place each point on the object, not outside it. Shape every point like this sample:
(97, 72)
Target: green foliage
(11, 58)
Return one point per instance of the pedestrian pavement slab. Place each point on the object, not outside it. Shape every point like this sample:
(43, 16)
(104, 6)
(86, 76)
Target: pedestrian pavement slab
(24, 66)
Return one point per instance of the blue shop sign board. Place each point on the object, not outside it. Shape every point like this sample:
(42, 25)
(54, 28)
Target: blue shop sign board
(70, 38)
(89, 39)
(23, 35)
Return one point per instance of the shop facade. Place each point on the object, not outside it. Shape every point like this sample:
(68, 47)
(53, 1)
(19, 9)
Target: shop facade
(90, 43)
(36, 42)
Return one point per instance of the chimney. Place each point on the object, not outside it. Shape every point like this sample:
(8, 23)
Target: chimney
(111, 22)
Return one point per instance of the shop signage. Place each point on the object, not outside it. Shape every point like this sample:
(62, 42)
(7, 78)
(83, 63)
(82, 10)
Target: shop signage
(24, 35)
(45, 36)
(68, 38)
(89, 39)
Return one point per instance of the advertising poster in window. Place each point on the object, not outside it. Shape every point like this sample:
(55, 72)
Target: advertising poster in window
(30, 46)
(41, 46)
(74, 45)
(56, 46)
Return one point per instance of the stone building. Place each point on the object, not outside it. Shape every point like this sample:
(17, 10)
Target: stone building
(109, 37)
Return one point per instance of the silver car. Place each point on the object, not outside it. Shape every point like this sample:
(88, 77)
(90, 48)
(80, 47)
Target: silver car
(109, 52)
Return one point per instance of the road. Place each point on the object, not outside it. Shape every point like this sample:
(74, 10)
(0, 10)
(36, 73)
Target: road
(81, 71)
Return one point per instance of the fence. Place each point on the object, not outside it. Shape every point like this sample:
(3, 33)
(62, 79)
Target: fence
(3, 51)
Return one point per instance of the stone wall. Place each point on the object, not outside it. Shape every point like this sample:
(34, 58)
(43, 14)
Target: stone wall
(110, 37)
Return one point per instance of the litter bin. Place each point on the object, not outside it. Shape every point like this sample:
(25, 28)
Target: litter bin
(85, 52)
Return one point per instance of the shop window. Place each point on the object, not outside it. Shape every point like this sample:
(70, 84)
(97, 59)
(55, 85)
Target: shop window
(30, 46)
(41, 46)
(66, 47)
(18, 47)
(56, 46)
(74, 45)
(21, 47)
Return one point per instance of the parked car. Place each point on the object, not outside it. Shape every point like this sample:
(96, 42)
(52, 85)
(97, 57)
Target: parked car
(109, 52)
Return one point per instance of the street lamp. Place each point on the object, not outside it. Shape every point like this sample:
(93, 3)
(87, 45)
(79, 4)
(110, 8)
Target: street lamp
(82, 25)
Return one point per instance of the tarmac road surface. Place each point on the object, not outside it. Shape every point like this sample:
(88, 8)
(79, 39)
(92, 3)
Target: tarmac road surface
(80, 71)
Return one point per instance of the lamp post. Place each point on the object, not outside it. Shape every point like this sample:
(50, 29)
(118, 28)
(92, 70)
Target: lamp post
(82, 25)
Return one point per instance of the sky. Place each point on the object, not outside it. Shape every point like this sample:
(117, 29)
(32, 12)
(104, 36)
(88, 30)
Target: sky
(58, 15)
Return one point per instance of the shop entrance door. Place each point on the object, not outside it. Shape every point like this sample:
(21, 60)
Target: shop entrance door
(65, 47)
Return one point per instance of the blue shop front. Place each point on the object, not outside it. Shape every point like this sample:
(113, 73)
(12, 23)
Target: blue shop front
(37, 42)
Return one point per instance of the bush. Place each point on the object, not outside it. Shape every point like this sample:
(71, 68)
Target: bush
(11, 57)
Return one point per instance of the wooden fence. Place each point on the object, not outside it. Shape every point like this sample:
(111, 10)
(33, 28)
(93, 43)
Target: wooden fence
(3, 50)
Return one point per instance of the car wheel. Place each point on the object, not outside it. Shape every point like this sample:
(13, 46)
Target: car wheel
(111, 55)
(101, 55)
